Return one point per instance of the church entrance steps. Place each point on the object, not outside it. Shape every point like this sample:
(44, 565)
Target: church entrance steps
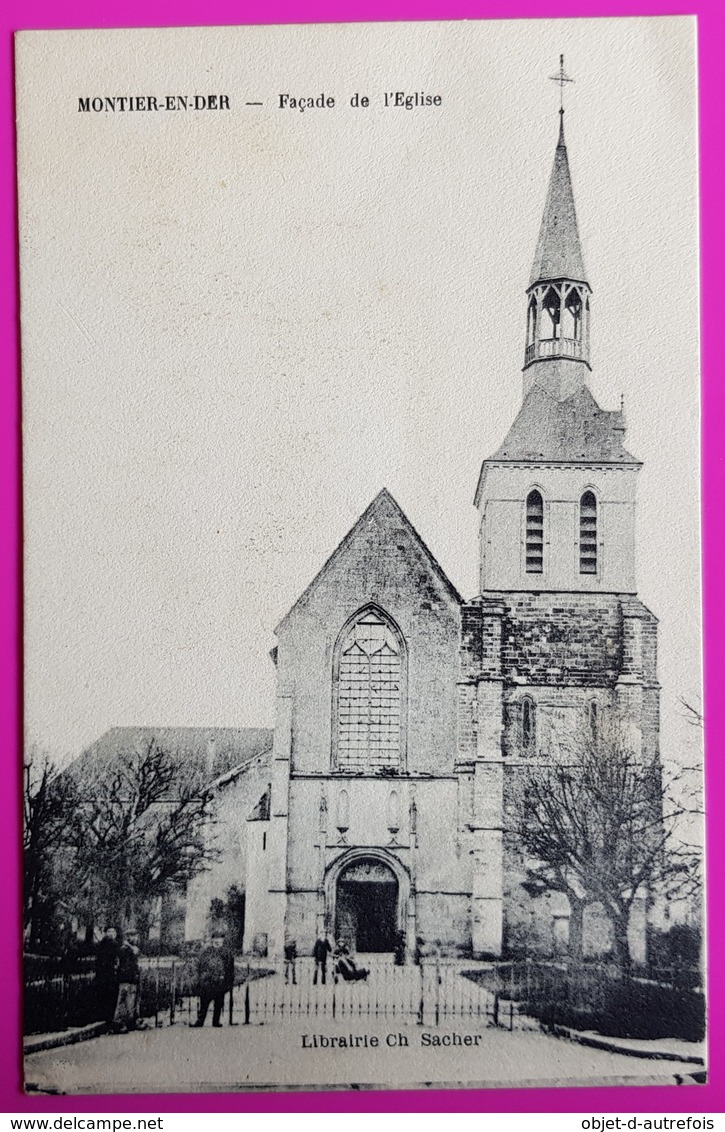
(430, 993)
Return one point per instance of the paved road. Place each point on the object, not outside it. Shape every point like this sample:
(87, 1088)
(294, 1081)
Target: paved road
(180, 1059)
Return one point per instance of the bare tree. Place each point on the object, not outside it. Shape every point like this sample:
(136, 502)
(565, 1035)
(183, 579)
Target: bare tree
(48, 800)
(139, 826)
(692, 712)
(687, 783)
(599, 823)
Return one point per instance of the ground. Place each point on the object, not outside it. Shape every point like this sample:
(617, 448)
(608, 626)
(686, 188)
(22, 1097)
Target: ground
(301, 1044)
(180, 1059)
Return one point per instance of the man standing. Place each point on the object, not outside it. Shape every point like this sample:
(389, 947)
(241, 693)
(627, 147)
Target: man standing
(320, 951)
(215, 969)
(107, 975)
(128, 973)
(290, 961)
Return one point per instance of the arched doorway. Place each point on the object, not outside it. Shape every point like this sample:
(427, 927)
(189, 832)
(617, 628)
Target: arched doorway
(366, 905)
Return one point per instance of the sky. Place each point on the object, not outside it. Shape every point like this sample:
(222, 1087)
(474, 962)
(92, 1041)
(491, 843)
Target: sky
(237, 327)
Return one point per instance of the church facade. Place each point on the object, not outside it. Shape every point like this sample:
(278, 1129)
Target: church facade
(405, 712)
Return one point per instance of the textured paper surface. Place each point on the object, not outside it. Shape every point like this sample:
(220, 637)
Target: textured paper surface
(238, 325)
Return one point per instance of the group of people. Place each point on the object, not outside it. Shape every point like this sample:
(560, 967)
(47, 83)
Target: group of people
(344, 964)
(117, 980)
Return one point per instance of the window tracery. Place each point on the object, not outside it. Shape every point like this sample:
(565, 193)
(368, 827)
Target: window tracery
(370, 673)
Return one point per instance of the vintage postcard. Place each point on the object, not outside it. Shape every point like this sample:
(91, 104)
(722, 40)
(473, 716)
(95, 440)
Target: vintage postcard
(361, 490)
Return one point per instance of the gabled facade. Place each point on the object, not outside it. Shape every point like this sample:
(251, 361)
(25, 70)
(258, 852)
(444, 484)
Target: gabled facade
(364, 788)
(404, 714)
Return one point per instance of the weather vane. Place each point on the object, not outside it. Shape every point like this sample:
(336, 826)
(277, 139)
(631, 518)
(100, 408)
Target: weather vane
(561, 78)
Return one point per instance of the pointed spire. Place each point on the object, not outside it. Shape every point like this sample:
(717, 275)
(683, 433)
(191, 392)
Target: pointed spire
(558, 251)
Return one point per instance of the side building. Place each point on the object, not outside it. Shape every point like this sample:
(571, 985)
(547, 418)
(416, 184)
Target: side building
(235, 763)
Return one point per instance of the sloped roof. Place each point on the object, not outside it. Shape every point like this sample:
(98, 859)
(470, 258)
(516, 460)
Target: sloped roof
(208, 751)
(575, 429)
(558, 251)
(383, 506)
(263, 808)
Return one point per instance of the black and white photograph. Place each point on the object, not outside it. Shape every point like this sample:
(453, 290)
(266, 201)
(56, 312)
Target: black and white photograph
(362, 634)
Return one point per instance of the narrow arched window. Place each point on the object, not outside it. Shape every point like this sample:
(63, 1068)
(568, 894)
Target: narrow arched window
(369, 687)
(534, 533)
(588, 533)
(552, 309)
(593, 712)
(343, 811)
(528, 725)
(531, 322)
(572, 322)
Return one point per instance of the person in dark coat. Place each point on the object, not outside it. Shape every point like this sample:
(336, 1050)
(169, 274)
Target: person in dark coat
(290, 961)
(320, 952)
(215, 972)
(129, 977)
(106, 982)
(346, 967)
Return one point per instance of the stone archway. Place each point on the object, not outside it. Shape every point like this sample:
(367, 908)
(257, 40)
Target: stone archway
(367, 900)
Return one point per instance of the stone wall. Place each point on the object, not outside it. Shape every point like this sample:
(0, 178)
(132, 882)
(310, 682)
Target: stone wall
(382, 563)
(503, 492)
(562, 639)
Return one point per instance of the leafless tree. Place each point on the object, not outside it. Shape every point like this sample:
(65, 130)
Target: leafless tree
(691, 711)
(599, 824)
(139, 826)
(48, 800)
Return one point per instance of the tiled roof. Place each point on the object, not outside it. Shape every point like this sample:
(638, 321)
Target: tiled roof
(558, 251)
(571, 430)
(263, 808)
(209, 751)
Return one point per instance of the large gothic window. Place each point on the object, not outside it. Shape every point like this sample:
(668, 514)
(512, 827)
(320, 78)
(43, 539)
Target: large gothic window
(534, 533)
(369, 695)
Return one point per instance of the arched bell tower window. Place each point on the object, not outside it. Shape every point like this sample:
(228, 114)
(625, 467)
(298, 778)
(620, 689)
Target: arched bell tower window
(551, 328)
(572, 328)
(534, 533)
(369, 694)
(588, 533)
(531, 322)
(528, 725)
(557, 322)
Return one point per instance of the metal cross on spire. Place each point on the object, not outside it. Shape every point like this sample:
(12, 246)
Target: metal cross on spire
(561, 78)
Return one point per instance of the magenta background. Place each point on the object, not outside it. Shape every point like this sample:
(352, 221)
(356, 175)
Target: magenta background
(17, 15)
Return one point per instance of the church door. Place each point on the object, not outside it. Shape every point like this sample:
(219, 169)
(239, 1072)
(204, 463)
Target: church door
(367, 906)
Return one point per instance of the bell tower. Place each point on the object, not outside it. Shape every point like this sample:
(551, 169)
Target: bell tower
(557, 321)
(557, 638)
(557, 499)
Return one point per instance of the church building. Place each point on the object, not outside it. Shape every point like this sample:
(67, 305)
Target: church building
(404, 709)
